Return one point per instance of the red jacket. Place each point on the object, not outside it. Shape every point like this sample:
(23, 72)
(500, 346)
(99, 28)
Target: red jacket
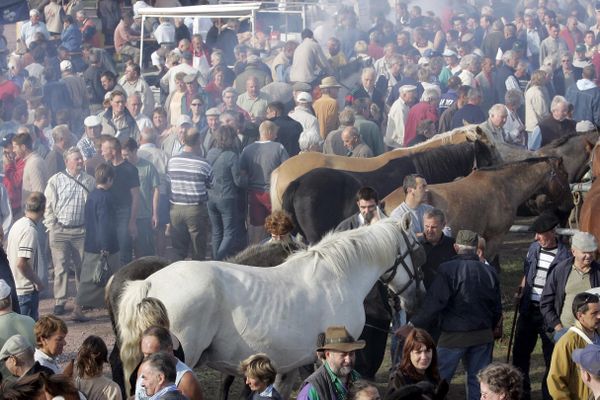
(13, 180)
(417, 113)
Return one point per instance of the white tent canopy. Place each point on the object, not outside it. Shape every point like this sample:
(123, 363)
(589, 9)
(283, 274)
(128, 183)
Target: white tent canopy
(239, 10)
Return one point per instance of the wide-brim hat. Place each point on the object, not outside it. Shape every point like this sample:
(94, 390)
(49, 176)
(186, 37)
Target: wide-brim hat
(337, 338)
(329, 82)
(545, 222)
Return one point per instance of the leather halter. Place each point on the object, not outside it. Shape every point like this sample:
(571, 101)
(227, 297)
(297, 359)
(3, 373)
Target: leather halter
(414, 275)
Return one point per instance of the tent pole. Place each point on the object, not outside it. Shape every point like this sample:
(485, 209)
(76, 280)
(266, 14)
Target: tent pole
(142, 41)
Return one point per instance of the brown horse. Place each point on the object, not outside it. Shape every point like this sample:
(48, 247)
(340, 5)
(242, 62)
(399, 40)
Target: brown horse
(486, 201)
(589, 219)
(303, 163)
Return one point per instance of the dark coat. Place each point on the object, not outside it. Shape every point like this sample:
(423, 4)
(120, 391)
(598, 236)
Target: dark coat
(553, 296)
(436, 255)
(530, 268)
(465, 294)
(288, 133)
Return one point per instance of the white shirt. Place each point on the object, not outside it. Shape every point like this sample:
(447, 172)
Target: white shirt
(46, 361)
(165, 33)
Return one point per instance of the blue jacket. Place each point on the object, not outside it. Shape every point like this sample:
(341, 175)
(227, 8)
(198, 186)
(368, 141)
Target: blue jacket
(553, 296)
(530, 268)
(586, 103)
(71, 38)
(465, 293)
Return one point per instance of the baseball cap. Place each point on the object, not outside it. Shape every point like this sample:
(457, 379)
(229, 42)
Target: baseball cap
(66, 65)
(580, 47)
(7, 140)
(4, 289)
(304, 97)
(588, 358)
(92, 121)
(15, 344)
(184, 119)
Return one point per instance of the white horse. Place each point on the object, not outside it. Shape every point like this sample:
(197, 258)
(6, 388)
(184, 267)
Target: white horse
(223, 313)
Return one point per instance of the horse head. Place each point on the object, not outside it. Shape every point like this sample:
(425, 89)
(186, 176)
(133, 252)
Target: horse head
(486, 153)
(405, 277)
(557, 189)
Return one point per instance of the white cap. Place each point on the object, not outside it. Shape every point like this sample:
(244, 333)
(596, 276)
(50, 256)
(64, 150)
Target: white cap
(423, 61)
(304, 97)
(4, 289)
(449, 53)
(92, 121)
(33, 12)
(407, 88)
(66, 65)
(184, 119)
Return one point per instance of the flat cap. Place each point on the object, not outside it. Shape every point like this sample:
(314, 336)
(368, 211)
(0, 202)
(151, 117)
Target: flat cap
(92, 121)
(213, 112)
(467, 238)
(585, 242)
(15, 344)
(544, 223)
(4, 289)
(301, 87)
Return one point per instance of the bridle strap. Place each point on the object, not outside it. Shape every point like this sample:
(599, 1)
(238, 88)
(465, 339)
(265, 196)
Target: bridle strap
(415, 274)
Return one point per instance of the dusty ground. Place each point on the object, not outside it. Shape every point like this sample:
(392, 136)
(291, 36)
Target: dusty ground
(512, 253)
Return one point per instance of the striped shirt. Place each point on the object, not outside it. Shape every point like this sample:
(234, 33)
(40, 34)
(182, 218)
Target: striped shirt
(541, 273)
(189, 177)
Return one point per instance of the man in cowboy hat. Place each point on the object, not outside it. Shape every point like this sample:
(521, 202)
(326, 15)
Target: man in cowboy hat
(333, 379)
(326, 106)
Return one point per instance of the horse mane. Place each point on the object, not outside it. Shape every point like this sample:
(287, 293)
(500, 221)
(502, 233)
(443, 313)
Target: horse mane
(564, 139)
(444, 163)
(527, 161)
(378, 243)
(131, 324)
(470, 132)
(265, 254)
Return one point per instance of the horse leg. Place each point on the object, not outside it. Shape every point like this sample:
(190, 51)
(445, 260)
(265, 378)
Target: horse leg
(285, 382)
(116, 367)
(226, 386)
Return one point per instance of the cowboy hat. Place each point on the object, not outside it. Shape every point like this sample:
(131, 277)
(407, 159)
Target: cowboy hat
(329, 82)
(337, 338)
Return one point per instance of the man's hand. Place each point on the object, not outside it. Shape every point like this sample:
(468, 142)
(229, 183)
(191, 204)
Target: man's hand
(518, 293)
(155, 222)
(133, 229)
(39, 287)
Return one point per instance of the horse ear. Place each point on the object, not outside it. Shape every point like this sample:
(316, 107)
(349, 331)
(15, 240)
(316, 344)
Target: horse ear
(406, 222)
(589, 146)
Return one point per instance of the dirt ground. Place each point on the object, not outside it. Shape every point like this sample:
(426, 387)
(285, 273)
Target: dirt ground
(512, 253)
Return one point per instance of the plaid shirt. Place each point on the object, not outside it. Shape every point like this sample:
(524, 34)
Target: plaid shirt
(86, 145)
(65, 199)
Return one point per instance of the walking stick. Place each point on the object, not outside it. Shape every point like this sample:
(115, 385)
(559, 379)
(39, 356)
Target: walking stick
(513, 326)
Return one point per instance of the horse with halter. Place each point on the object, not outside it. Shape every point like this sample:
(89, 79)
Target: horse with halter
(299, 165)
(224, 312)
(486, 200)
(319, 200)
(589, 218)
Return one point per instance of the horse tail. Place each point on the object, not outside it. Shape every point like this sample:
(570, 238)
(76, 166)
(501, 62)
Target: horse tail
(275, 200)
(128, 318)
(287, 203)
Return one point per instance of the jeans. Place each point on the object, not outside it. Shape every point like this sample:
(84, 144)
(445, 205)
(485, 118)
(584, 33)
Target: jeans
(529, 327)
(29, 304)
(125, 242)
(223, 219)
(474, 359)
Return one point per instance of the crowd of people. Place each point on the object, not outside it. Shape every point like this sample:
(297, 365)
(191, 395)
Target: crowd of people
(111, 154)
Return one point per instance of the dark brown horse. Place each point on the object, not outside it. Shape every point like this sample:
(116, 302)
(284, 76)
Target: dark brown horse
(589, 219)
(319, 200)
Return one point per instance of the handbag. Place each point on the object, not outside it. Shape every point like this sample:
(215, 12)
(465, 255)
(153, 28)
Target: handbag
(101, 271)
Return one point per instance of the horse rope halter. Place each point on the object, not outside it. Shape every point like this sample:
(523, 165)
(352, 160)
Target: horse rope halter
(414, 275)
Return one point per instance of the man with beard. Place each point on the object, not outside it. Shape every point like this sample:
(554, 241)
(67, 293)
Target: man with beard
(333, 379)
